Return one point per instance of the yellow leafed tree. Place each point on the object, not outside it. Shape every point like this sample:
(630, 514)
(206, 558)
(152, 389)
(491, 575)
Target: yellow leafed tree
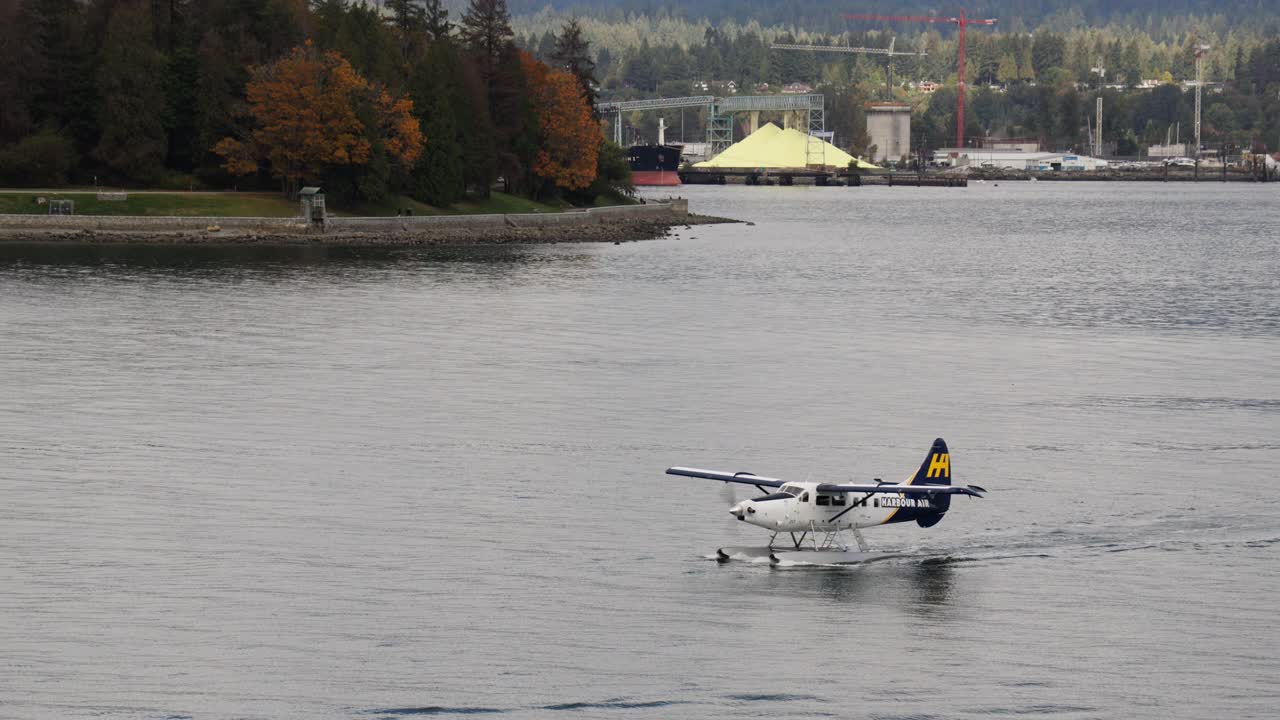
(570, 136)
(305, 109)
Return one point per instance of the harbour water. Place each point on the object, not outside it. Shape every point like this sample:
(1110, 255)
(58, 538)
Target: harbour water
(263, 483)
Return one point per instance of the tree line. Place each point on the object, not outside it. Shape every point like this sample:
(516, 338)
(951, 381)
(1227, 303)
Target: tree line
(1149, 16)
(369, 101)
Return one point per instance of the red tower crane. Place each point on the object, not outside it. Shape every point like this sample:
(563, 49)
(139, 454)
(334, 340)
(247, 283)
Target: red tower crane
(961, 22)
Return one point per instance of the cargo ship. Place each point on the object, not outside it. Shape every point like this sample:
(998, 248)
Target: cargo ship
(654, 164)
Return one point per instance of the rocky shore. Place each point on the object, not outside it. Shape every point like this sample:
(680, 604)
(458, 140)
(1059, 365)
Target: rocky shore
(614, 227)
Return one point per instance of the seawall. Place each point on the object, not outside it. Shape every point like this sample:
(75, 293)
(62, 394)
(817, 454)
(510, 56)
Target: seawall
(608, 224)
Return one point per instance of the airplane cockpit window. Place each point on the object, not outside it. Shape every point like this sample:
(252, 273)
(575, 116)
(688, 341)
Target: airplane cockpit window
(804, 497)
(774, 496)
(791, 490)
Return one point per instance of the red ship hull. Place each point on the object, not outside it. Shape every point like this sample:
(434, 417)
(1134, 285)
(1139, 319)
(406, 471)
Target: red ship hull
(655, 177)
(654, 164)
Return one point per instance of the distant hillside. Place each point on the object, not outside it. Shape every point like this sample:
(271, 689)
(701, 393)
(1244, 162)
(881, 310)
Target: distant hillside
(1153, 16)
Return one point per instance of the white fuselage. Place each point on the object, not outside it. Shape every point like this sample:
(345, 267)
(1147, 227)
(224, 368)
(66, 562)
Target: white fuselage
(797, 507)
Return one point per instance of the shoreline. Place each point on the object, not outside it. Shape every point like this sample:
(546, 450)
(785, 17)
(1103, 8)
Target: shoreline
(614, 232)
(616, 225)
(1174, 176)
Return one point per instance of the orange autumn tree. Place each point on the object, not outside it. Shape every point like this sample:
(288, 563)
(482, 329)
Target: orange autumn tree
(306, 109)
(570, 137)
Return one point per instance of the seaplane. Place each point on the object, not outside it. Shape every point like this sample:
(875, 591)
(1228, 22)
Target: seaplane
(819, 517)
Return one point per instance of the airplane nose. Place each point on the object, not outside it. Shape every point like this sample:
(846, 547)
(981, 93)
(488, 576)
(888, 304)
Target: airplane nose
(738, 511)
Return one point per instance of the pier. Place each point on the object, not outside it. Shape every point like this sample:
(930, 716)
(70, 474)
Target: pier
(813, 176)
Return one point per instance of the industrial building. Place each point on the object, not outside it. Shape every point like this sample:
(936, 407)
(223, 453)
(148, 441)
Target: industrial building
(1015, 160)
(1172, 150)
(889, 127)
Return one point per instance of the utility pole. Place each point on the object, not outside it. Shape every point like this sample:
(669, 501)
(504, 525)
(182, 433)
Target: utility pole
(1099, 145)
(1201, 50)
(1102, 83)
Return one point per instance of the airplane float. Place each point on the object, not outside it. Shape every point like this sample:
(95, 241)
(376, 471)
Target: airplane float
(821, 513)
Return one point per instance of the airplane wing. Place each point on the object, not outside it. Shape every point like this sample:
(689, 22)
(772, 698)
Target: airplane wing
(745, 478)
(894, 489)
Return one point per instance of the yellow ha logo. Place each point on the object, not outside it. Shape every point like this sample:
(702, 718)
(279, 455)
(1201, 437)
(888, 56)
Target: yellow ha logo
(939, 466)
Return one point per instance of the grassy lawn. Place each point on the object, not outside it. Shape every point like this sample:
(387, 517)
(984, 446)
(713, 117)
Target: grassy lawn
(502, 203)
(166, 204)
(254, 205)
(497, 204)
(609, 199)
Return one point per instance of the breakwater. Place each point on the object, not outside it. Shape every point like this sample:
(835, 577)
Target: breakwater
(608, 224)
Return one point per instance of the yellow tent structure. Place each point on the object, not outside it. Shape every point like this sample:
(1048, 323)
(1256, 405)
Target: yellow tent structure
(773, 148)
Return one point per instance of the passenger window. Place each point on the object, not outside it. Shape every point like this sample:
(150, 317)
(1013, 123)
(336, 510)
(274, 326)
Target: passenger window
(837, 499)
(877, 502)
(824, 499)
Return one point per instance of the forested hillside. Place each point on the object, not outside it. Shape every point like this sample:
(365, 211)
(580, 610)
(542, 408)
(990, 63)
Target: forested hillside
(1155, 17)
(1039, 84)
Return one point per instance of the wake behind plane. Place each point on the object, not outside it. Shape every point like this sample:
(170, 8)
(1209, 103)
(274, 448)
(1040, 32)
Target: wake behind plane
(817, 516)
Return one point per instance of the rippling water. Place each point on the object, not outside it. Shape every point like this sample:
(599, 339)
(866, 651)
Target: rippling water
(292, 483)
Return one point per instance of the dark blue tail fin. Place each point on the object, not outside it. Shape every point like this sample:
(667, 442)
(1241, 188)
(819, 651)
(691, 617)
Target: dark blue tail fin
(935, 470)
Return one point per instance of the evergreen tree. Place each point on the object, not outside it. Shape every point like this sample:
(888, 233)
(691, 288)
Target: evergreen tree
(18, 49)
(1130, 68)
(409, 20)
(435, 20)
(439, 177)
(1048, 51)
(182, 74)
(407, 16)
(1026, 67)
(131, 110)
(546, 47)
(220, 82)
(358, 33)
(486, 30)
(604, 62)
(641, 70)
(1007, 71)
(573, 53)
(60, 80)
(476, 132)
(515, 128)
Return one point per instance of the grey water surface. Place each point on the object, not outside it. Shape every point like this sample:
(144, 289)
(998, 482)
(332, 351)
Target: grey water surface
(307, 483)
